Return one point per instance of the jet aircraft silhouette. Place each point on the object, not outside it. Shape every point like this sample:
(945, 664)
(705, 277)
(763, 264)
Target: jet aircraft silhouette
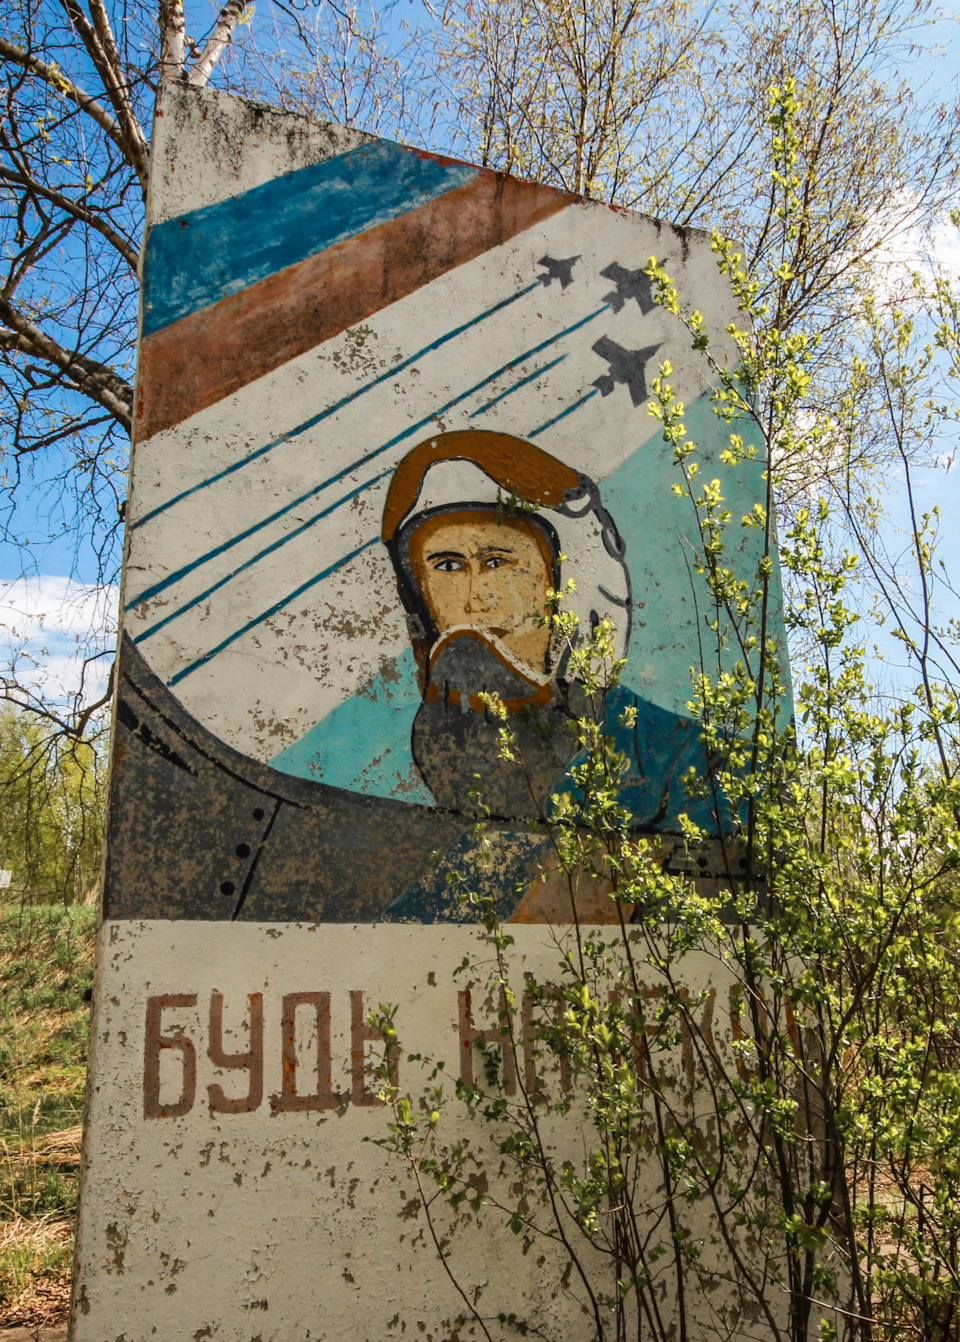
(558, 270)
(627, 366)
(630, 284)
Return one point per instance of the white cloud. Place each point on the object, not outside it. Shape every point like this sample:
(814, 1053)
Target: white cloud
(946, 247)
(50, 627)
(905, 246)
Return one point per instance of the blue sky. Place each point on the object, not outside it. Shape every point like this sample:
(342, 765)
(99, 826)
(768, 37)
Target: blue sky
(935, 75)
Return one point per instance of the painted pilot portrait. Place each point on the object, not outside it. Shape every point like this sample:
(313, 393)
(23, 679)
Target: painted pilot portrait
(481, 527)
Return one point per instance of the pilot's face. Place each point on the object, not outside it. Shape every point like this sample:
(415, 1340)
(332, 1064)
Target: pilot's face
(488, 572)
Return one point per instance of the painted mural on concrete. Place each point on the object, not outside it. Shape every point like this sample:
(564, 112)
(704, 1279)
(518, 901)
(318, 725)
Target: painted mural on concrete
(381, 394)
(386, 403)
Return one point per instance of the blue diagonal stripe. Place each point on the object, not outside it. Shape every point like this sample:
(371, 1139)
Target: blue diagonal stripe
(463, 395)
(277, 606)
(255, 559)
(563, 414)
(517, 385)
(171, 578)
(338, 405)
(206, 255)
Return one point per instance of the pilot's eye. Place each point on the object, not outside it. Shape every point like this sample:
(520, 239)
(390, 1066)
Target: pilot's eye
(493, 561)
(448, 565)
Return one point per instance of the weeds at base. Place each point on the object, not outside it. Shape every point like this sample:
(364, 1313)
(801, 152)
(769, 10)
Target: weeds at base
(35, 1262)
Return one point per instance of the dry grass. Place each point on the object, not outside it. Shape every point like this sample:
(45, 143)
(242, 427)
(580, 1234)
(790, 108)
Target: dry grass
(35, 1260)
(60, 1150)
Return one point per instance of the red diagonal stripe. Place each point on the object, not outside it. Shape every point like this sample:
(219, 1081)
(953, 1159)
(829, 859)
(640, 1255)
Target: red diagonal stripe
(216, 351)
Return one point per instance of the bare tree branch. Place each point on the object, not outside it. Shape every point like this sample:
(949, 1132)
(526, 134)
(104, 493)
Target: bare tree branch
(94, 379)
(77, 209)
(54, 76)
(97, 37)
